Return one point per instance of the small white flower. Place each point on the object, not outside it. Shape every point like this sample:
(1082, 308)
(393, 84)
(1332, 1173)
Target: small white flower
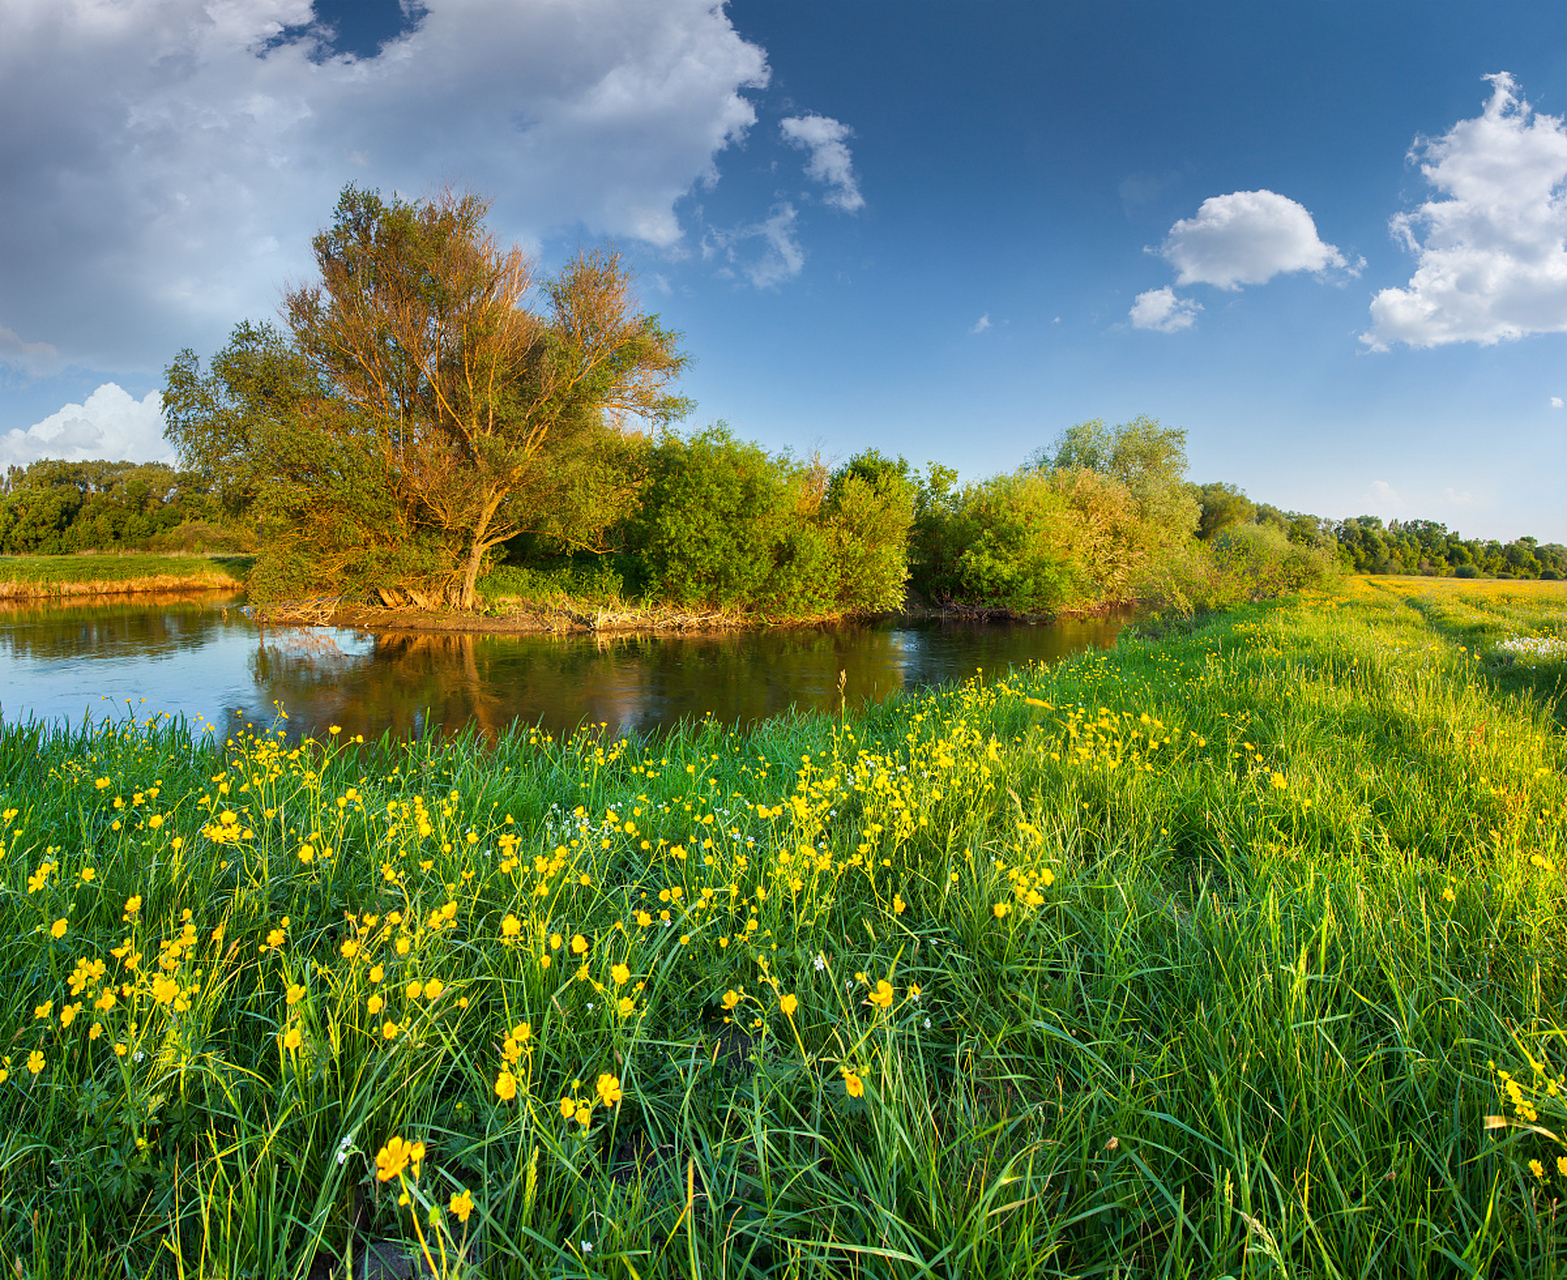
(587, 1246)
(820, 962)
(927, 1024)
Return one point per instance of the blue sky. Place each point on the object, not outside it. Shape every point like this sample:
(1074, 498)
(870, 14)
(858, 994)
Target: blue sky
(1318, 238)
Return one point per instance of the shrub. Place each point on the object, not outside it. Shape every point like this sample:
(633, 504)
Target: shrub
(727, 525)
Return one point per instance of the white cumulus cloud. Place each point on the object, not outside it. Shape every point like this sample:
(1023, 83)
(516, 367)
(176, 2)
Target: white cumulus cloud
(1384, 495)
(830, 162)
(110, 424)
(1556, 402)
(1248, 237)
(170, 159)
(1491, 251)
(1161, 310)
(980, 325)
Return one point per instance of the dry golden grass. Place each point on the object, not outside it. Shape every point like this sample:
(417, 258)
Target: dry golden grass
(55, 577)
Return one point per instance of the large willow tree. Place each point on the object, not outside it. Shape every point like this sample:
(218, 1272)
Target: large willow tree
(429, 398)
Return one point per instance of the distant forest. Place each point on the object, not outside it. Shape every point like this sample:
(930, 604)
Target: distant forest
(1366, 545)
(59, 508)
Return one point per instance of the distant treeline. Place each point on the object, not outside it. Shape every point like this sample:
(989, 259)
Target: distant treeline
(1104, 514)
(58, 508)
(1365, 545)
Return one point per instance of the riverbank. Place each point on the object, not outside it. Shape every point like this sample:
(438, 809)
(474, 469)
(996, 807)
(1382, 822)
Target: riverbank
(1240, 949)
(563, 615)
(115, 573)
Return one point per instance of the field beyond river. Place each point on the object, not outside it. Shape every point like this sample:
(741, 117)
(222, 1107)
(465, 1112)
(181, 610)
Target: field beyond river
(1235, 949)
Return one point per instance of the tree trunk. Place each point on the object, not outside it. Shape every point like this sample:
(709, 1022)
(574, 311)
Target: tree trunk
(466, 594)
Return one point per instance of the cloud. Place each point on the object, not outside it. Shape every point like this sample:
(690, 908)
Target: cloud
(170, 159)
(30, 357)
(1161, 310)
(980, 325)
(781, 258)
(1248, 237)
(111, 424)
(1384, 495)
(1493, 261)
(1556, 402)
(1458, 498)
(830, 161)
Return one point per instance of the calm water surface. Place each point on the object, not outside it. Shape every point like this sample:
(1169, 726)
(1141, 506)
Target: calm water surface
(203, 658)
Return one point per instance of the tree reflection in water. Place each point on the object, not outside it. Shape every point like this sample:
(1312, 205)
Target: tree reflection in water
(206, 658)
(414, 683)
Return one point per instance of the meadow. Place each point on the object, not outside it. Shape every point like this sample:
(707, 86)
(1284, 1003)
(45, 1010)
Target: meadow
(115, 573)
(1235, 950)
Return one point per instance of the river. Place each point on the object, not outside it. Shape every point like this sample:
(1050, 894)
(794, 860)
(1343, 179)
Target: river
(204, 659)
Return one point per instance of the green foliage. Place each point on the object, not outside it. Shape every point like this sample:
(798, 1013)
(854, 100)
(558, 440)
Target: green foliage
(1149, 459)
(1222, 505)
(1076, 527)
(1014, 531)
(593, 581)
(868, 518)
(725, 524)
(1428, 547)
(715, 515)
(54, 508)
(1242, 562)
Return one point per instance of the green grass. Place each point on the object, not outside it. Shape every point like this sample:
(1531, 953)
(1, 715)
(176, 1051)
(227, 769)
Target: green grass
(111, 572)
(1216, 940)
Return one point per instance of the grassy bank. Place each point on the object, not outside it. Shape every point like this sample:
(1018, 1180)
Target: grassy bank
(52, 577)
(1238, 952)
